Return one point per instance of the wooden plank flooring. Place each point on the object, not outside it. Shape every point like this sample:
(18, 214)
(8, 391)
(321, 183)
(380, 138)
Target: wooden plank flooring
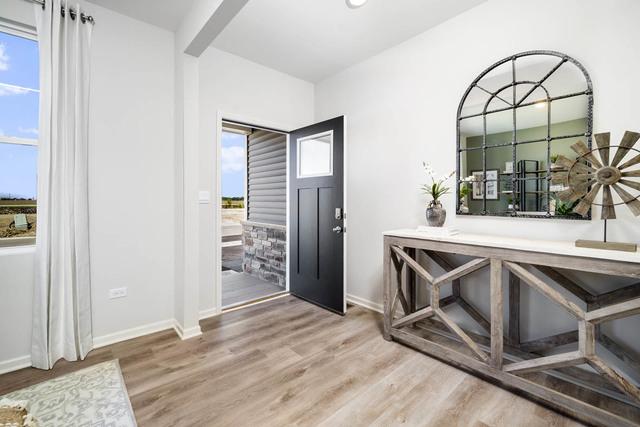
(287, 362)
(241, 288)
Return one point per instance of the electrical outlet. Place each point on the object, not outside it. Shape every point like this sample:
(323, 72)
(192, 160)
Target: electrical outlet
(117, 293)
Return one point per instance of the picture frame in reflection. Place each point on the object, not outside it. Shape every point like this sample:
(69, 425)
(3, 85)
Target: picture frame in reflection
(491, 186)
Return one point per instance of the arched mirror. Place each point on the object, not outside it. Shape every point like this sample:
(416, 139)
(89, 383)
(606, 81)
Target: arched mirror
(513, 121)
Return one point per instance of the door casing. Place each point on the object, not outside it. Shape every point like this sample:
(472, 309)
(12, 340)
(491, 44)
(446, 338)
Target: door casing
(217, 204)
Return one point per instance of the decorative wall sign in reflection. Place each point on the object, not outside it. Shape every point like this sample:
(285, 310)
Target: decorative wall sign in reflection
(516, 117)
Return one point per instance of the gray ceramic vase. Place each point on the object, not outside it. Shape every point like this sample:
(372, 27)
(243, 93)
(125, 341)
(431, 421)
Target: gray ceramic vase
(436, 214)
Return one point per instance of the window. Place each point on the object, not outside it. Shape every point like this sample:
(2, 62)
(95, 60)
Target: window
(315, 155)
(19, 103)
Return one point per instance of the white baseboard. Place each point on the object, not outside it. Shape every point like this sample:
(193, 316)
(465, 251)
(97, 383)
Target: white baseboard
(364, 303)
(116, 337)
(210, 312)
(185, 334)
(136, 332)
(127, 334)
(14, 364)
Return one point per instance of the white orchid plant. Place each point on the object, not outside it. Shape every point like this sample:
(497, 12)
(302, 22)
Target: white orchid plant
(437, 188)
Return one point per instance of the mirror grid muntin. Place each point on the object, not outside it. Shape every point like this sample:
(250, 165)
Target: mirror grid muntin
(512, 102)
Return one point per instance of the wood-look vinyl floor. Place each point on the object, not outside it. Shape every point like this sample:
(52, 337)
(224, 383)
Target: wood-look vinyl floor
(287, 362)
(240, 288)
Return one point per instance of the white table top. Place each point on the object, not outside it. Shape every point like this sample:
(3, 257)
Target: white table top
(533, 245)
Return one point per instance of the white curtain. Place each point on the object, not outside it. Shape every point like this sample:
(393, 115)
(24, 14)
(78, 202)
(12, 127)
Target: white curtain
(62, 293)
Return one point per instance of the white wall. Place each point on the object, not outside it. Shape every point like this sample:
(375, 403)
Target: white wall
(241, 90)
(401, 107)
(16, 292)
(131, 184)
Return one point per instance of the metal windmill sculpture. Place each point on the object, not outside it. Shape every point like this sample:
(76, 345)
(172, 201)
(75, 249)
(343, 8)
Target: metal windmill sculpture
(592, 172)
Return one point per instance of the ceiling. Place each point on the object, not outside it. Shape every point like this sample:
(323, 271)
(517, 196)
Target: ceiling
(313, 39)
(167, 14)
(309, 39)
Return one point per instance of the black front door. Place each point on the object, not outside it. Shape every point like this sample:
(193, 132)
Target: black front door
(316, 214)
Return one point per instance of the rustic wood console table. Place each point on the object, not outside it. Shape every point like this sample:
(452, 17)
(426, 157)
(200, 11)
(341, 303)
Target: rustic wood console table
(603, 395)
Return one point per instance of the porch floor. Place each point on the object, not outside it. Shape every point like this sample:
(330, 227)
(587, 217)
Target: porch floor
(239, 288)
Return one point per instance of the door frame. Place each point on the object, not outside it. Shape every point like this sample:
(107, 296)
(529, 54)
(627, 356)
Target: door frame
(217, 204)
(217, 185)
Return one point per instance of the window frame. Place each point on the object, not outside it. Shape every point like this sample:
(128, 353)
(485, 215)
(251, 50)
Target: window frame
(515, 142)
(26, 32)
(299, 142)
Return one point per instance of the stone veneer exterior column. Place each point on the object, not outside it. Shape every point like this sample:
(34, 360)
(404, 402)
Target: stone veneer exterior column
(265, 252)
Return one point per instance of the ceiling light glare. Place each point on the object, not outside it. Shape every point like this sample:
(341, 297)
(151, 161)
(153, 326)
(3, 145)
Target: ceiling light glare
(354, 4)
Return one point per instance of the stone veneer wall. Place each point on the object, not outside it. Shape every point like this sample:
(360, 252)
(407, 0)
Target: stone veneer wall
(265, 252)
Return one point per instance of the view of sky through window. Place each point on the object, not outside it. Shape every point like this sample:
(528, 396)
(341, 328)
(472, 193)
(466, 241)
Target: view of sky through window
(19, 96)
(234, 164)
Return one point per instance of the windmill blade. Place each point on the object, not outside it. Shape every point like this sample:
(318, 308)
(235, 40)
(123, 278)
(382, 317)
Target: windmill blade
(632, 173)
(564, 161)
(560, 178)
(582, 150)
(602, 140)
(569, 195)
(575, 176)
(585, 204)
(581, 187)
(582, 168)
(633, 161)
(628, 141)
(565, 178)
(608, 208)
(631, 202)
(632, 184)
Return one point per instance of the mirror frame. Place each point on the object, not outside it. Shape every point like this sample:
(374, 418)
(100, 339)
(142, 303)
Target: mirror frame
(588, 135)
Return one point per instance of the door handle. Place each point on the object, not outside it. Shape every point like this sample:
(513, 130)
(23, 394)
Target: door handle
(337, 229)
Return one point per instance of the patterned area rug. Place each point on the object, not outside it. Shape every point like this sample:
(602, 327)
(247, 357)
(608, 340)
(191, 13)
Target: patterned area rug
(95, 396)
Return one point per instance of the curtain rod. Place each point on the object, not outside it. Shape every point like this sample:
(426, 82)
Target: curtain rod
(84, 18)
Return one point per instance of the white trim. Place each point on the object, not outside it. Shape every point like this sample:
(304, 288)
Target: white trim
(287, 221)
(17, 246)
(116, 337)
(19, 29)
(345, 213)
(241, 305)
(18, 141)
(28, 89)
(127, 334)
(217, 206)
(139, 331)
(299, 151)
(15, 364)
(232, 244)
(246, 179)
(209, 313)
(365, 303)
(186, 334)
